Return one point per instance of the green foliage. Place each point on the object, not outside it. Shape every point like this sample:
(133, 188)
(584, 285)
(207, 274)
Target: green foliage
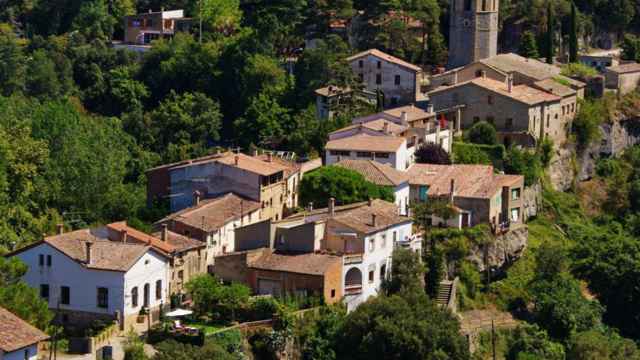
(435, 271)
(217, 15)
(578, 70)
(12, 65)
(408, 273)
(601, 344)
(524, 162)
(465, 153)
(346, 186)
(550, 35)
(318, 332)
(630, 48)
(209, 295)
(481, 133)
(573, 34)
(545, 151)
(532, 343)
(528, 45)
(173, 350)
(93, 20)
(432, 154)
(134, 347)
(591, 113)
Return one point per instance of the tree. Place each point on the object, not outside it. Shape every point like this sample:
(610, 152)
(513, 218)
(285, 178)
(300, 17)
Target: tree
(432, 154)
(531, 342)
(630, 48)
(601, 345)
(395, 327)
(573, 35)
(263, 123)
(346, 186)
(221, 16)
(42, 80)
(173, 350)
(550, 35)
(12, 65)
(234, 297)
(482, 133)
(93, 20)
(205, 290)
(523, 162)
(528, 45)
(408, 273)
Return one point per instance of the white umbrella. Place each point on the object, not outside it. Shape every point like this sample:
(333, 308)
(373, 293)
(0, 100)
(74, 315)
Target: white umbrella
(178, 313)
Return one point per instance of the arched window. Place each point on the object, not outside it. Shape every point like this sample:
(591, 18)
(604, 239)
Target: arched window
(145, 299)
(484, 5)
(159, 290)
(353, 279)
(134, 297)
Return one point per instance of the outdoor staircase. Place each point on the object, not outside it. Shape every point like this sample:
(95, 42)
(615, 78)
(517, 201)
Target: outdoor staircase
(447, 294)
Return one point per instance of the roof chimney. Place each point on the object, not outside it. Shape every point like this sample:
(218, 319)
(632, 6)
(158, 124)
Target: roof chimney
(370, 202)
(60, 228)
(311, 206)
(430, 108)
(269, 157)
(510, 82)
(123, 235)
(88, 252)
(374, 221)
(404, 117)
(332, 206)
(165, 232)
(196, 198)
(483, 74)
(255, 152)
(385, 127)
(236, 159)
(452, 191)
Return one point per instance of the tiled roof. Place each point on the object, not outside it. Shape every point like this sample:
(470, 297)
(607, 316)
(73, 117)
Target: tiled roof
(625, 68)
(361, 218)
(251, 164)
(522, 93)
(554, 87)
(375, 172)
(212, 214)
(289, 167)
(510, 63)
(139, 236)
(306, 263)
(386, 57)
(471, 181)
(16, 333)
(181, 243)
(105, 254)
(376, 125)
(413, 113)
(363, 142)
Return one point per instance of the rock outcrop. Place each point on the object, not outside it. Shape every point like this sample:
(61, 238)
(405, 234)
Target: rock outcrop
(502, 252)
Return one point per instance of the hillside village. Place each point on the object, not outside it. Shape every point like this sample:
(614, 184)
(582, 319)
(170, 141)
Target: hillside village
(479, 204)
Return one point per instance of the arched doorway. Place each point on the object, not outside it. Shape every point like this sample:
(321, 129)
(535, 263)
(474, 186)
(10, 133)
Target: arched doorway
(353, 281)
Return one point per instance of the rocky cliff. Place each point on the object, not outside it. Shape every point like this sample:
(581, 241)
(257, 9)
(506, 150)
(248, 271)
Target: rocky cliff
(502, 252)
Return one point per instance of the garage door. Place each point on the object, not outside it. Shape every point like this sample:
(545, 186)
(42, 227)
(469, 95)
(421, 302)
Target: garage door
(269, 287)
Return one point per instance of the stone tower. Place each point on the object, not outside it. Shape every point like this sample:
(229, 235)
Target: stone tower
(473, 31)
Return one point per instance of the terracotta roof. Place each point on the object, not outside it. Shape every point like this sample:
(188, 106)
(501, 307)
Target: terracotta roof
(532, 68)
(573, 83)
(375, 172)
(386, 57)
(139, 236)
(376, 125)
(289, 167)
(522, 93)
(361, 218)
(554, 87)
(16, 333)
(306, 263)
(180, 242)
(212, 214)
(471, 181)
(413, 113)
(106, 254)
(625, 68)
(363, 142)
(245, 162)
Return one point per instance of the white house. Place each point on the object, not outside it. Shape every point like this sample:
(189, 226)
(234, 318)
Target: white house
(383, 175)
(18, 339)
(89, 277)
(385, 149)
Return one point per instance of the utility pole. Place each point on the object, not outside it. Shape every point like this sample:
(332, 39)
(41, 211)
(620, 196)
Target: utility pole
(493, 339)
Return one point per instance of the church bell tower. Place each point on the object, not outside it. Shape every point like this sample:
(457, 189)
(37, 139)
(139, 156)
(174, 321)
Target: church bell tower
(473, 31)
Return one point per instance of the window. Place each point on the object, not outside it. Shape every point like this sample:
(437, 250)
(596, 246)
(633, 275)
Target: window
(44, 291)
(333, 293)
(382, 155)
(515, 194)
(372, 244)
(383, 243)
(65, 295)
(509, 123)
(41, 260)
(146, 295)
(360, 64)
(379, 64)
(361, 77)
(49, 260)
(395, 237)
(103, 297)
(423, 192)
(548, 118)
(364, 154)
(158, 289)
(478, 73)
(467, 5)
(563, 110)
(378, 79)
(476, 119)
(339, 153)
(372, 275)
(181, 274)
(484, 5)
(490, 99)
(397, 80)
(383, 272)
(134, 297)
(491, 120)
(515, 214)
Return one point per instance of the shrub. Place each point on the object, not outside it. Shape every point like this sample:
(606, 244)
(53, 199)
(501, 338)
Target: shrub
(263, 308)
(578, 70)
(465, 153)
(482, 133)
(522, 162)
(432, 154)
(586, 124)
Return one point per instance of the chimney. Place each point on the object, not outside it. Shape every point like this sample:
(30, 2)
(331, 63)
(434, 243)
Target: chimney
(332, 207)
(510, 82)
(483, 74)
(255, 152)
(196, 198)
(269, 157)
(236, 159)
(165, 232)
(430, 108)
(60, 228)
(123, 235)
(311, 206)
(385, 127)
(370, 202)
(452, 191)
(404, 117)
(88, 252)
(374, 223)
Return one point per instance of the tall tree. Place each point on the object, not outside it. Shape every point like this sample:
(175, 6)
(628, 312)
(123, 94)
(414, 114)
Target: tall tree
(573, 34)
(528, 46)
(550, 35)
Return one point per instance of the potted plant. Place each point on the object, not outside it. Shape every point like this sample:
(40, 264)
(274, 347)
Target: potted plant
(142, 315)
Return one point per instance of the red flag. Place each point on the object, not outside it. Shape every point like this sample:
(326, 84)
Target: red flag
(443, 121)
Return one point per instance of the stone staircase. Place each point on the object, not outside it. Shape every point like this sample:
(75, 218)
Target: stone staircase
(447, 294)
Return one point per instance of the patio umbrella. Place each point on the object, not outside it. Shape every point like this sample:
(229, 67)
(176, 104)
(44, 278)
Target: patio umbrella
(178, 313)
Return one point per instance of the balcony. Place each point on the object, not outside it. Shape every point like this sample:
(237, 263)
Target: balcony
(353, 289)
(352, 259)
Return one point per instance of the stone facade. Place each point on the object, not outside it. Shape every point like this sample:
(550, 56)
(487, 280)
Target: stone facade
(473, 31)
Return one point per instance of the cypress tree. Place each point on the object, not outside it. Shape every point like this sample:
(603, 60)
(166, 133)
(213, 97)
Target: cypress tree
(573, 35)
(549, 44)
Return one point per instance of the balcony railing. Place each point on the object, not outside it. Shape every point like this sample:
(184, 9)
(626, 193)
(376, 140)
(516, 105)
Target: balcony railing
(352, 259)
(353, 289)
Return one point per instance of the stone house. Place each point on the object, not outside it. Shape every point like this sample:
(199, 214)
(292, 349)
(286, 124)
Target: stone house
(623, 78)
(143, 28)
(478, 194)
(213, 222)
(270, 181)
(598, 61)
(383, 175)
(18, 339)
(88, 277)
(396, 78)
(330, 98)
(383, 148)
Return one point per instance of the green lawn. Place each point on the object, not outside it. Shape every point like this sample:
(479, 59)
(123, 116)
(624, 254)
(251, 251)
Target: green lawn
(206, 328)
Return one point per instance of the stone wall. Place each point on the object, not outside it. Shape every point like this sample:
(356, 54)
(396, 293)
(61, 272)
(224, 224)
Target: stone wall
(502, 252)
